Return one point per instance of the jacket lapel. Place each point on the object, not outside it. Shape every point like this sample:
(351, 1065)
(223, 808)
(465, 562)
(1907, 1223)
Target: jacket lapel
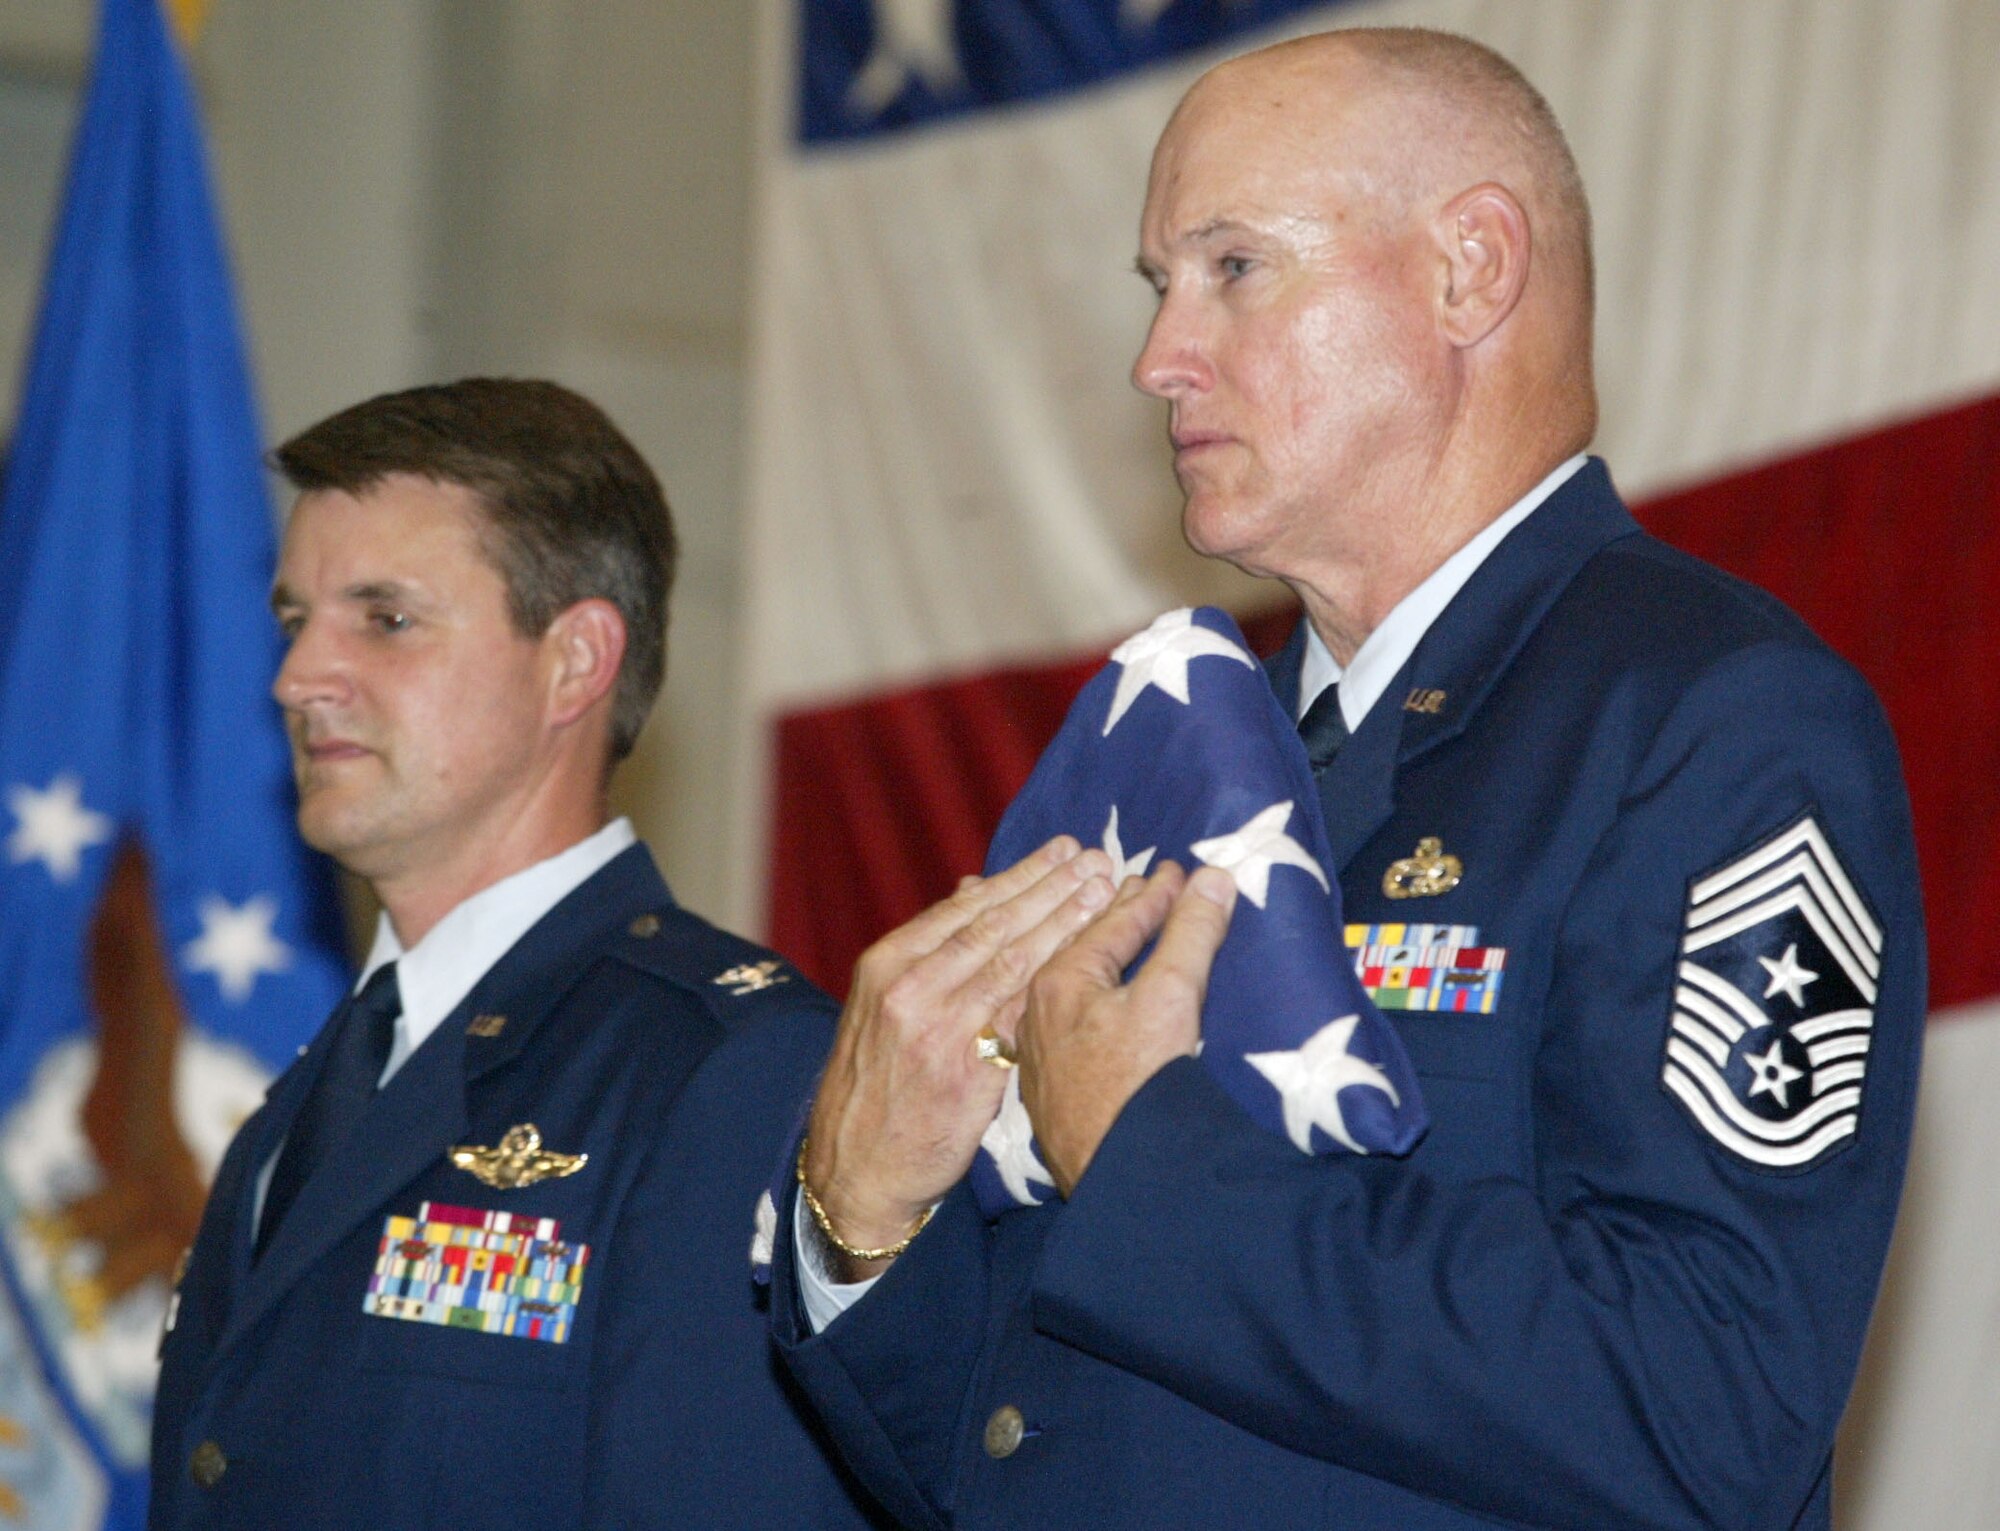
(1476, 637)
(1459, 660)
(423, 1111)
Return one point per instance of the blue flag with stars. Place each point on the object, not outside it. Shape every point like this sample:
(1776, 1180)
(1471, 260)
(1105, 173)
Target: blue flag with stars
(168, 943)
(1178, 750)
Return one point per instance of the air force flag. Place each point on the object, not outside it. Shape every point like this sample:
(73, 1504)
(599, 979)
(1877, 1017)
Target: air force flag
(1177, 750)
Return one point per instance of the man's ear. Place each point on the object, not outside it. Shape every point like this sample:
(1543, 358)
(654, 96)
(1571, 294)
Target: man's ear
(585, 645)
(1486, 243)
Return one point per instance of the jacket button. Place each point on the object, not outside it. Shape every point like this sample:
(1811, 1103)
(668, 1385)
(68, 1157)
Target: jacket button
(1003, 1432)
(208, 1464)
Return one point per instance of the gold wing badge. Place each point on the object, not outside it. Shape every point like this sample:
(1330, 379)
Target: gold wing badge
(519, 1160)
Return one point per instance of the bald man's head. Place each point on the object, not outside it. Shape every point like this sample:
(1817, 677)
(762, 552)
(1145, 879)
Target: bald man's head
(1372, 251)
(1448, 113)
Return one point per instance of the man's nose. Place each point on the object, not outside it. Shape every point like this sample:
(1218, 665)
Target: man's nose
(1172, 361)
(312, 670)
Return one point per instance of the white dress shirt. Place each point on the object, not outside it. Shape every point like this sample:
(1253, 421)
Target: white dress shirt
(454, 954)
(1378, 661)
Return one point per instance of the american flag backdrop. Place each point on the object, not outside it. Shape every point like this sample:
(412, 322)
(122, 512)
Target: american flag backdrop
(958, 505)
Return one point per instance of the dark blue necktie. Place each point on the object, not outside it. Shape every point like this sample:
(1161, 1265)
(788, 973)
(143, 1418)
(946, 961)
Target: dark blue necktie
(1323, 729)
(364, 1030)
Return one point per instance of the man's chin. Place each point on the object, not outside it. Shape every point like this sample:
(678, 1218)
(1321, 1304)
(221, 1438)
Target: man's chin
(1216, 526)
(330, 825)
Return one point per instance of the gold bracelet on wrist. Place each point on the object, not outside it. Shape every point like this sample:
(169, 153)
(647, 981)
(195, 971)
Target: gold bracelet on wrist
(886, 1252)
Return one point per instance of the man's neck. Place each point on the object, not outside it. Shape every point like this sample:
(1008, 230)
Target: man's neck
(1347, 599)
(417, 899)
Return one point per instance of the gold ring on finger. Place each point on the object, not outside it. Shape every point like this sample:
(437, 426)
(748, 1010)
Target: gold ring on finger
(992, 1048)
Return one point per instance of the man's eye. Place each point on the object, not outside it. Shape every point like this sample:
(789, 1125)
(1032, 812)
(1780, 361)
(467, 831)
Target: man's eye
(389, 621)
(1233, 266)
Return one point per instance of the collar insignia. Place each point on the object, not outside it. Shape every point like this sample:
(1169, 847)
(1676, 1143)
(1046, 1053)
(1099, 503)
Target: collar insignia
(519, 1160)
(1425, 874)
(486, 1026)
(749, 977)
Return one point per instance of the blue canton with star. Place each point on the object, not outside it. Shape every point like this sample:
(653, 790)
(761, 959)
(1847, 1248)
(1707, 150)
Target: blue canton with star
(873, 66)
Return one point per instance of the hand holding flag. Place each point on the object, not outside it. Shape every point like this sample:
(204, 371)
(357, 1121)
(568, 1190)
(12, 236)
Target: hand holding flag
(1089, 1039)
(1178, 749)
(905, 1096)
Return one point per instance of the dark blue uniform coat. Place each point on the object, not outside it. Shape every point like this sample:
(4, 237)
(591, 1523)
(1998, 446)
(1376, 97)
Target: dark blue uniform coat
(1577, 1303)
(665, 1405)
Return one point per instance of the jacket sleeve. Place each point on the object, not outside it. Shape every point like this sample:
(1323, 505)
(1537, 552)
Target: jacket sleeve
(1650, 1330)
(893, 1376)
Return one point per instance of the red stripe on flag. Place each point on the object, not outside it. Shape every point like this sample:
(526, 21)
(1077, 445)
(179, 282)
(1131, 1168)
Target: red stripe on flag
(1888, 544)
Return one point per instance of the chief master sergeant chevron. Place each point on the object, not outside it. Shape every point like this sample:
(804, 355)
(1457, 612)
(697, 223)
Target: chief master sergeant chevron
(1625, 1279)
(510, 1285)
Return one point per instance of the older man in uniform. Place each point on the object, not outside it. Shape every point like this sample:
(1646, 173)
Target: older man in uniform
(1625, 1279)
(482, 1258)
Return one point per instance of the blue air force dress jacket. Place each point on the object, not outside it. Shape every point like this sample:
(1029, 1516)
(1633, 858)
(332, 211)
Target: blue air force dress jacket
(676, 1058)
(1624, 1280)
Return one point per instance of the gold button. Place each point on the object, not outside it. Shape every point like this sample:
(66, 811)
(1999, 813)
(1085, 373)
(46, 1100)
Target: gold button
(208, 1464)
(1004, 1431)
(645, 927)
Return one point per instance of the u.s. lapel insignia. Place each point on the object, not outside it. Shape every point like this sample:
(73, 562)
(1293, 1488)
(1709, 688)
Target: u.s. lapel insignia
(1426, 699)
(1423, 875)
(486, 1026)
(749, 977)
(1774, 1004)
(519, 1160)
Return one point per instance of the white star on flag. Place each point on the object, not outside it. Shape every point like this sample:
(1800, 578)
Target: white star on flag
(1159, 657)
(1249, 854)
(1123, 866)
(237, 945)
(1310, 1079)
(53, 827)
(764, 1230)
(1010, 1139)
(1771, 1075)
(912, 37)
(1788, 976)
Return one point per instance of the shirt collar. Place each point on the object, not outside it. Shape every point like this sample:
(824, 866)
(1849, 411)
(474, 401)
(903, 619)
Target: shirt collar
(440, 970)
(1385, 651)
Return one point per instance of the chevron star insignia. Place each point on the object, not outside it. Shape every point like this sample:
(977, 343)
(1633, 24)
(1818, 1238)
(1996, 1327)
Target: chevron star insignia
(1774, 1002)
(519, 1160)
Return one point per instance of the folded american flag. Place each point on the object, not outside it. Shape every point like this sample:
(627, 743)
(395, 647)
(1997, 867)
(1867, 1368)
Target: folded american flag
(1178, 750)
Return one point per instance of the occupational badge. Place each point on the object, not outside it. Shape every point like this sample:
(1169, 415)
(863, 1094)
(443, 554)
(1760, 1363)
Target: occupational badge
(1774, 1004)
(519, 1160)
(489, 1272)
(1424, 873)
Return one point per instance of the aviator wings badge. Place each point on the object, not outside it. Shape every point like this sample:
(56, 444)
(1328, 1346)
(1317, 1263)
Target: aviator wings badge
(519, 1160)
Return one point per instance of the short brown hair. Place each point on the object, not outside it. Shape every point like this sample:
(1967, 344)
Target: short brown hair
(572, 510)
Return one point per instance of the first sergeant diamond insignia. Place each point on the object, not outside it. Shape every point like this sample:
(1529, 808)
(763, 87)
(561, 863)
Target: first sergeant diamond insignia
(1774, 1006)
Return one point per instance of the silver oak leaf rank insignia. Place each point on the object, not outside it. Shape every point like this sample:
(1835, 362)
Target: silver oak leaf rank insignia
(1774, 1003)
